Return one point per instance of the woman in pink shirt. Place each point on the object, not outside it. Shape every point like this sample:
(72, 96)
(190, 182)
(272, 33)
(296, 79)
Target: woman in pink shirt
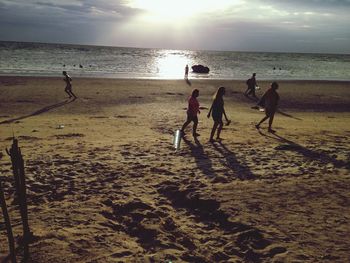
(192, 110)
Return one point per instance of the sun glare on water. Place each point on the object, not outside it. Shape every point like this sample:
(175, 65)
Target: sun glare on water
(170, 64)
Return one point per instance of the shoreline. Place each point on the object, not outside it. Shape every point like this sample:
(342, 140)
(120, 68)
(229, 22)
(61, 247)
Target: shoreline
(128, 77)
(53, 76)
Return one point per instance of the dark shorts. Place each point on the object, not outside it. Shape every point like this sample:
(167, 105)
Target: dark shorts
(270, 112)
(192, 118)
(217, 117)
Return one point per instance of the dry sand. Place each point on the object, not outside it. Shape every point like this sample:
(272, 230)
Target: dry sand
(109, 187)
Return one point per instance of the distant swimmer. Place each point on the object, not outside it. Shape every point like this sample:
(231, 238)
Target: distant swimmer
(68, 88)
(80, 66)
(192, 111)
(269, 101)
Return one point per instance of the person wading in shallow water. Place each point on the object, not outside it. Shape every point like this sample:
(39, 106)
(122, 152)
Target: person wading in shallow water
(68, 88)
(269, 101)
(217, 110)
(192, 110)
(186, 72)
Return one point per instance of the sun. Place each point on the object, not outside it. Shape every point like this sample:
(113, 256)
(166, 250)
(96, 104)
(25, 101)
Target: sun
(164, 10)
(177, 11)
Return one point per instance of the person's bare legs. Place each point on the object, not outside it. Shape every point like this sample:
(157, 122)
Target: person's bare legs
(68, 92)
(262, 120)
(270, 123)
(73, 94)
(219, 130)
(195, 124)
(246, 92)
(184, 126)
(213, 131)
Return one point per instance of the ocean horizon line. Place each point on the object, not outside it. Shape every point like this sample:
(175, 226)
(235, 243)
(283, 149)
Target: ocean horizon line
(174, 49)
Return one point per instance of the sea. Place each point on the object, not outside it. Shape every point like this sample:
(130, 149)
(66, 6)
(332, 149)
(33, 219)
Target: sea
(42, 59)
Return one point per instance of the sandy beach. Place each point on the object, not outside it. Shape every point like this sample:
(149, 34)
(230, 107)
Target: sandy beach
(106, 185)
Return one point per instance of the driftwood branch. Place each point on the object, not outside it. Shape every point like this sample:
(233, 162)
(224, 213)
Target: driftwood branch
(21, 192)
(11, 241)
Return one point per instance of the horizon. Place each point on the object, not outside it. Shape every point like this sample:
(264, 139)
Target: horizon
(223, 25)
(204, 50)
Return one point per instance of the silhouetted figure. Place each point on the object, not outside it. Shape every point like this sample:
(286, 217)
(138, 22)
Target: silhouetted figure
(269, 101)
(186, 72)
(217, 110)
(80, 66)
(192, 110)
(251, 84)
(68, 88)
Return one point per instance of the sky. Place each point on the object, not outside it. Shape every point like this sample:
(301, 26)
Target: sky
(316, 26)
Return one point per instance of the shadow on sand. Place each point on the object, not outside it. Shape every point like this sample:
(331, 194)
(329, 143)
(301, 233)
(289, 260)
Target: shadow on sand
(188, 82)
(255, 99)
(289, 145)
(280, 112)
(43, 110)
(202, 160)
(288, 115)
(243, 172)
(205, 164)
(256, 107)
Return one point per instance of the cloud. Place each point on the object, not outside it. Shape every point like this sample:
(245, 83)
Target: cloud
(85, 22)
(240, 25)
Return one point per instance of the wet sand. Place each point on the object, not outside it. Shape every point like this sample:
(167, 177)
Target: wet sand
(105, 184)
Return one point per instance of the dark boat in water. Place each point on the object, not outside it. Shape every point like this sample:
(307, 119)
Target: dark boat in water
(200, 69)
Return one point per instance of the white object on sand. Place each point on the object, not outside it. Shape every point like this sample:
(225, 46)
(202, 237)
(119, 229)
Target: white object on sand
(177, 139)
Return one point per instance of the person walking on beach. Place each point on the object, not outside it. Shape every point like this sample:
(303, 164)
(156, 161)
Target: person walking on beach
(186, 72)
(217, 110)
(269, 101)
(68, 88)
(251, 84)
(192, 110)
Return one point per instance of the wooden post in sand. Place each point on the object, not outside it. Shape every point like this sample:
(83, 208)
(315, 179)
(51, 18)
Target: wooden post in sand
(20, 183)
(10, 238)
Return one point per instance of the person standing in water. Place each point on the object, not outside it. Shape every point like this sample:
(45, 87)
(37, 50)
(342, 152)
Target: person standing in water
(68, 88)
(186, 72)
(269, 101)
(192, 110)
(217, 110)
